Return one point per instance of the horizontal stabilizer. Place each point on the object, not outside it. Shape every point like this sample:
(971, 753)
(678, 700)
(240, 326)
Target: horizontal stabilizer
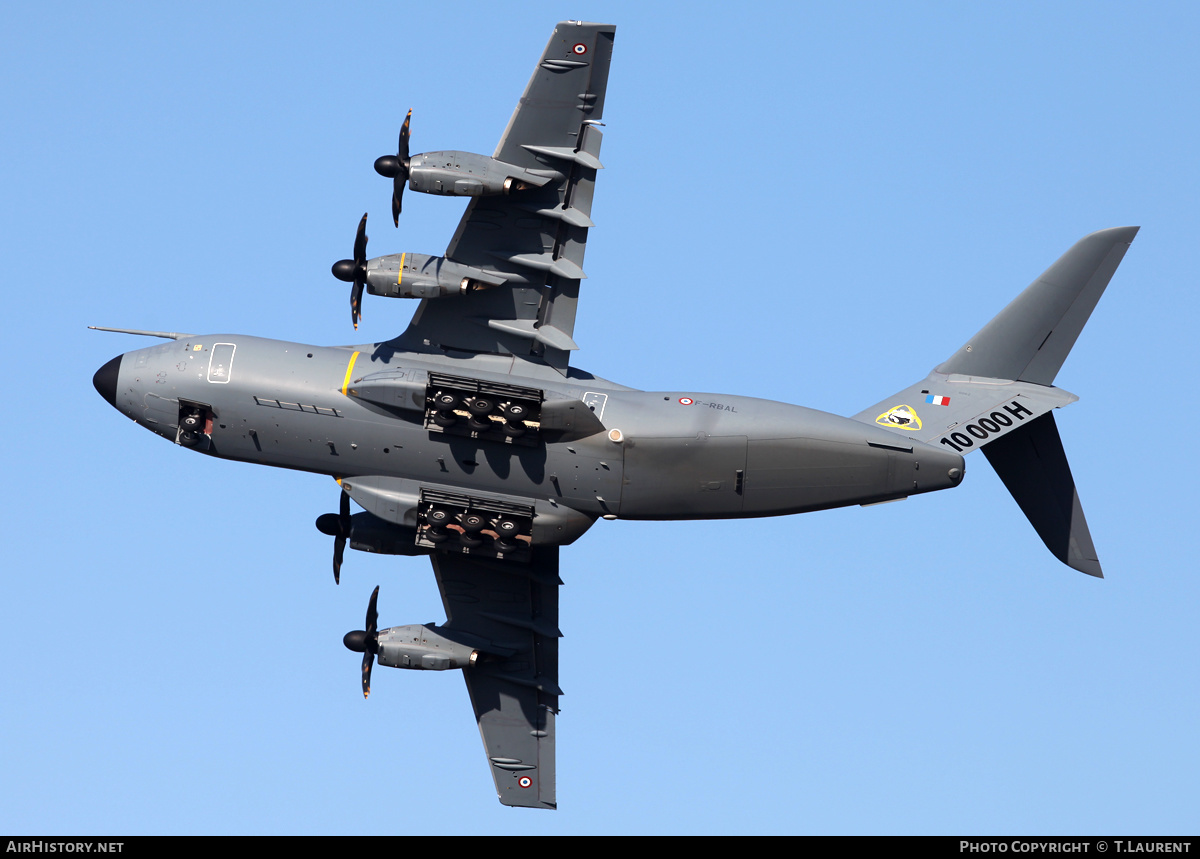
(1033, 465)
(1029, 340)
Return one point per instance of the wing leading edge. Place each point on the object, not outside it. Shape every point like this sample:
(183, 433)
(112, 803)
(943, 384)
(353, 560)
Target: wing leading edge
(514, 688)
(533, 239)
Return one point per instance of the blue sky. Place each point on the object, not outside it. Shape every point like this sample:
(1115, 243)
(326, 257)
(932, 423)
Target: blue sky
(808, 202)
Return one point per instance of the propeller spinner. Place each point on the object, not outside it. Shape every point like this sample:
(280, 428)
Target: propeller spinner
(395, 167)
(355, 271)
(366, 642)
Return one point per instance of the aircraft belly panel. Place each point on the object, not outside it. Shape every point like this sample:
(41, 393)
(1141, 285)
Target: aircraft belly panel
(582, 478)
(791, 475)
(679, 478)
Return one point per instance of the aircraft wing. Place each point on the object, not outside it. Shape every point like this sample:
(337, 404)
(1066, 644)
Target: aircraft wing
(515, 696)
(531, 241)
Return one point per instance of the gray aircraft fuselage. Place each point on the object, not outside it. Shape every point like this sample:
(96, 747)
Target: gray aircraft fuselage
(661, 454)
(471, 439)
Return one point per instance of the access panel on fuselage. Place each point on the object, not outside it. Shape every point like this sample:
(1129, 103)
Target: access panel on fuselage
(671, 478)
(586, 475)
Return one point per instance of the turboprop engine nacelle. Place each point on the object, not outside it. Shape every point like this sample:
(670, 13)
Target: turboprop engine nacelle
(465, 174)
(422, 647)
(410, 275)
(369, 533)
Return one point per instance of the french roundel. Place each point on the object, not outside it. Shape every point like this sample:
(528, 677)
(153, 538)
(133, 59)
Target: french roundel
(580, 48)
(525, 781)
(686, 401)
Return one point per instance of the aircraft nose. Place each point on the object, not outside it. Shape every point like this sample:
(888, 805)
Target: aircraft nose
(105, 380)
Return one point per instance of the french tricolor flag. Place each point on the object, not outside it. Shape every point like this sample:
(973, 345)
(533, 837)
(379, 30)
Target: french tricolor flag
(937, 401)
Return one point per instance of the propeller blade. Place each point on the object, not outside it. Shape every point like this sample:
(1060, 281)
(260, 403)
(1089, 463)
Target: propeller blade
(371, 642)
(337, 525)
(366, 642)
(356, 302)
(358, 274)
(395, 167)
(339, 545)
(368, 661)
(372, 616)
(339, 548)
(401, 178)
(355, 271)
(360, 241)
(402, 146)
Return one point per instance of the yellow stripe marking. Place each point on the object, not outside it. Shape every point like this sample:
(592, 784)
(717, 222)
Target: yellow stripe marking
(349, 370)
(400, 274)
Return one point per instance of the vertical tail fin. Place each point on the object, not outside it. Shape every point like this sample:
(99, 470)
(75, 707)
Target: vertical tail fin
(1033, 466)
(1029, 340)
(996, 393)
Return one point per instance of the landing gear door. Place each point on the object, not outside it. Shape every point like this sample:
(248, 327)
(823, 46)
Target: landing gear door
(163, 413)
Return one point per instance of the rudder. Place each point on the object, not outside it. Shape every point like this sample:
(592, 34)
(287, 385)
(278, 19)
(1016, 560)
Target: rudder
(1033, 466)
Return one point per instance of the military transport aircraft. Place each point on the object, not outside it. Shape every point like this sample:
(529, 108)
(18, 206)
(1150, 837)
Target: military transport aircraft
(472, 439)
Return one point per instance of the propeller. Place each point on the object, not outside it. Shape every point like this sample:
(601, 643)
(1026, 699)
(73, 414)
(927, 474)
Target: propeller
(366, 642)
(337, 525)
(395, 167)
(355, 271)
